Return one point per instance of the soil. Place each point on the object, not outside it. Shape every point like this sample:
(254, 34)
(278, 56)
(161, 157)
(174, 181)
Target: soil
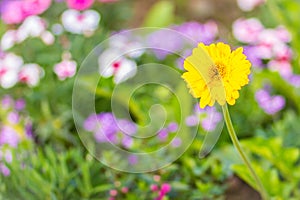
(239, 190)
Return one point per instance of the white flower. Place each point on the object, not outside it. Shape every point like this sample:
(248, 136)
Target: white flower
(112, 64)
(9, 68)
(31, 74)
(47, 37)
(65, 69)
(8, 39)
(33, 26)
(80, 22)
(124, 42)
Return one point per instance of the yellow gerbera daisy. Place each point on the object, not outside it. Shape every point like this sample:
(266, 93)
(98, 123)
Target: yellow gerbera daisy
(215, 73)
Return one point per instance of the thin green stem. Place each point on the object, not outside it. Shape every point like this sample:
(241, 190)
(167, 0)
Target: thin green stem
(238, 147)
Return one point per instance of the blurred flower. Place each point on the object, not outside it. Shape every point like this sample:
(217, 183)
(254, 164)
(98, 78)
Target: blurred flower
(164, 42)
(12, 12)
(33, 26)
(31, 74)
(8, 135)
(112, 64)
(176, 142)
(248, 5)
(79, 4)
(224, 70)
(205, 33)
(270, 104)
(10, 65)
(208, 118)
(65, 69)
(283, 67)
(108, 129)
(14, 128)
(294, 80)
(247, 30)
(35, 7)
(125, 42)
(15, 11)
(164, 189)
(80, 22)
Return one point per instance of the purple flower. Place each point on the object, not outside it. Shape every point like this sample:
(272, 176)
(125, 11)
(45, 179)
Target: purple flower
(205, 33)
(4, 170)
(173, 127)
(7, 102)
(108, 129)
(253, 55)
(20, 104)
(176, 142)
(9, 136)
(270, 104)
(13, 117)
(164, 42)
(132, 159)
(208, 118)
(294, 80)
(163, 134)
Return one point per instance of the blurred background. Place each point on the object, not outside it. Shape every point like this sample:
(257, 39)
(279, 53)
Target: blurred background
(42, 46)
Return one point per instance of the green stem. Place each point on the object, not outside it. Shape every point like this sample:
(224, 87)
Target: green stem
(238, 147)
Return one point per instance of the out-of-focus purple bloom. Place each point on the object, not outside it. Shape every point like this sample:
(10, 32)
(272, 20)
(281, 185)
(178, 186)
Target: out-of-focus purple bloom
(4, 170)
(192, 120)
(294, 80)
(164, 42)
(253, 56)
(176, 142)
(20, 104)
(13, 117)
(7, 102)
(208, 118)
(132, 159)
(164, 189)
(270, 104)
(9, 136)
(108, 129)
(173, 127)
(205, 33)
(247, 30)
(127, 127)
(163, 134)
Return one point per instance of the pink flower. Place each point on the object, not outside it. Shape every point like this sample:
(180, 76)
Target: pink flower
(283, 67)
(247, 30)
(65, 69)
(80, 4)
(31, 74)
(35, 7)
(13, 12)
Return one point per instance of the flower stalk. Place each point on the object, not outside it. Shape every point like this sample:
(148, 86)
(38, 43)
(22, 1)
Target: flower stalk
(238, 147)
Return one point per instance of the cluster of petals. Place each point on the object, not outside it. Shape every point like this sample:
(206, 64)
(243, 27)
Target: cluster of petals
(13, 70)
(33, 26)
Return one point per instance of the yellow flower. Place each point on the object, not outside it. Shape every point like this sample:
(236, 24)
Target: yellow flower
(215, 73)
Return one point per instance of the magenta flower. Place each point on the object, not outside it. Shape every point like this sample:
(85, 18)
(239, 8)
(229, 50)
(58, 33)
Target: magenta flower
(80, 4)
(270, 104)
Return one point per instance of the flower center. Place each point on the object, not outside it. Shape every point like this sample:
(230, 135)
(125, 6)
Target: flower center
(217, 71)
